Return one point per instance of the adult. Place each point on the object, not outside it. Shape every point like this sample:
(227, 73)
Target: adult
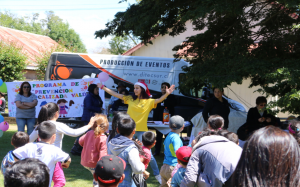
(92, 104)
(2, 103)
(25, 113)
(270, 157)
(113, 99)
(169, 102)
(213, 160)
(139, 106)
(257, 117)
(119, 105)
(217, 105)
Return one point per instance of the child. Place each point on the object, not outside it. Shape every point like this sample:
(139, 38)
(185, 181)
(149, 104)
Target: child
(27, 173)
(110, 171)
(94, 144)
(171, 144)
(232, 137)
(183, 155)
(123, 147)
(18, 140)
(43, 150)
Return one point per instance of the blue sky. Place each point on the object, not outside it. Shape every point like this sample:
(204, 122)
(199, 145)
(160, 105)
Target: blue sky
(85, 17)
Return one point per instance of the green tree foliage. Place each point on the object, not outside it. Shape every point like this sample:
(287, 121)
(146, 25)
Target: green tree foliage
(237, 39)
(53, 26)
(119, 45)
(12, 62)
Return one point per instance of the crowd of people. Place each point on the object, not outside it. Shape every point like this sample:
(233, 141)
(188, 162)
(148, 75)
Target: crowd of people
(270, 156)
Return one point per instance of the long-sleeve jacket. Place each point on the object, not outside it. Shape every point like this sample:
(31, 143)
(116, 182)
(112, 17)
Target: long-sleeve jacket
(91, 105)
(214, 158)
(253, 116)
(215, 107)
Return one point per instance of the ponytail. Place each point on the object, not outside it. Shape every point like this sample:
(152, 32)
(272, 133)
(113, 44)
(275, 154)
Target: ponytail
(47, 112)
(101, 124)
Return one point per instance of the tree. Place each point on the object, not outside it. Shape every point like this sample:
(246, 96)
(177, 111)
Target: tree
(53, 26)
(237, 39)
(119, 45)
(12, 62)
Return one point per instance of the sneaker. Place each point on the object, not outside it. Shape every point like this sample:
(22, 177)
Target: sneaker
(158, 178)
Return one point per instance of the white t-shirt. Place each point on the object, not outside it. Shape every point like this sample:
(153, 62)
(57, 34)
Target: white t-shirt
(49, 154)
(61, 129)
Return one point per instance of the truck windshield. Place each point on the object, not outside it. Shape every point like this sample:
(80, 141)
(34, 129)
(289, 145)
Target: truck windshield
(190, 92)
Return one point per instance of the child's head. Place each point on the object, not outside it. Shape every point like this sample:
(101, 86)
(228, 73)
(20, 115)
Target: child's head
(149, 139)
(294, 129)
(46, 131)
(109, 171)
(101, 124)
(48, 111)
(114, 124)
(176, 124)
(19, 139)
(27, 173)
(232, 137)
(126, 127)
(215, 122)
(183, 155)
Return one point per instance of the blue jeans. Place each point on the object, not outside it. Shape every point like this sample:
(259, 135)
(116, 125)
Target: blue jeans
(138, 135)
(21, 122)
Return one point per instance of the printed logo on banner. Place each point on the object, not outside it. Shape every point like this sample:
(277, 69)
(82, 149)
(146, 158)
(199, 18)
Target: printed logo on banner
(154, 82)
(147, 81)
(67, 94)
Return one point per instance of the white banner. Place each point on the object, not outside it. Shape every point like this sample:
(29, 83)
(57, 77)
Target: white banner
(68, 93)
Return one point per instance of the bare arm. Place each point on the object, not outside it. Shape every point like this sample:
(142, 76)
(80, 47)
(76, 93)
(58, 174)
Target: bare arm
(109, 91)
(30, 104)
(21, 106)
(168, 92)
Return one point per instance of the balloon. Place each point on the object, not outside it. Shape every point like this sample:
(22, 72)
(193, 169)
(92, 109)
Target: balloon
(1, 118)
(1, 133)
(1, 82)
(4, 126)
(103, 77)
(110, 83)
(3, 88)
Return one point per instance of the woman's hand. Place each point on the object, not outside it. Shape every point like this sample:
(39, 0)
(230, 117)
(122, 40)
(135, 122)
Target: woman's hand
(99, 85)
(170, 90)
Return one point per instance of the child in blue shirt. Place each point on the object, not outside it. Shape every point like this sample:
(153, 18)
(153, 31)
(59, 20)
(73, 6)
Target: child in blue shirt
(183, 156)
(18, 140)
(171, 144)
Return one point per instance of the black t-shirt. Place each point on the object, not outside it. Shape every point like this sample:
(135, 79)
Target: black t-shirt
(169, 102)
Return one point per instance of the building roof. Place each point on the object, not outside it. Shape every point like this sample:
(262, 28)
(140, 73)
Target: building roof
(32, 44)
(132, 50)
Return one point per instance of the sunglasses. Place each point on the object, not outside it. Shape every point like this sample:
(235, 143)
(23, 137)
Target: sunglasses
(26, 87)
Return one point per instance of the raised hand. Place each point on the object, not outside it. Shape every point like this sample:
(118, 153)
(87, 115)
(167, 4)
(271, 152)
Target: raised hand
(170, 90)
(99, 85)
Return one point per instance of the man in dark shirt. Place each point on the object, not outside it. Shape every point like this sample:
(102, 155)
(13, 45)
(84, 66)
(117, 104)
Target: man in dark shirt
(169, 102)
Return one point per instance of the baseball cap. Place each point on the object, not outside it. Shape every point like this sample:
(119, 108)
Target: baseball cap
(176, 122)
(109, 169)
(184, 153)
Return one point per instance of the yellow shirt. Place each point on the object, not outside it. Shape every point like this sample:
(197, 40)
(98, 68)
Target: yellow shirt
(139, 110)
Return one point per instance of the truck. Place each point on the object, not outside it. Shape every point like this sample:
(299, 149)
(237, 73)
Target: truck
(130, 69)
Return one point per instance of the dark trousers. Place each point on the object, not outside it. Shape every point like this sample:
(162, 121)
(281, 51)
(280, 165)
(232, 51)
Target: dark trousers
(159, 137)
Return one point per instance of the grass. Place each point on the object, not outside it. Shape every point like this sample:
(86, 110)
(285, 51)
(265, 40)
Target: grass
(76, 175)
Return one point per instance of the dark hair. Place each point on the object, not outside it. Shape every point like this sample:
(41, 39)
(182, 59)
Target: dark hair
(270, 157)
(19, 139)
(205, 132)
(29, 172)
(62, 101)
(46, 130)
(2, 94)
(260, 99)
(114, 124)
(126, 126)
(295, 126)
(125, 90)
(215, 122)
(222, 132)
(148, 138)
(47, 112)
(71, 102)
(143, 95)
(21, 89)
(165, 83)
(232, 137)
(184, 163)
(221, 89)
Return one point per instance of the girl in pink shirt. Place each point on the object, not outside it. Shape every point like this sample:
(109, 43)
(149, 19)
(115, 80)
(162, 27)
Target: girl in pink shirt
(94, 144)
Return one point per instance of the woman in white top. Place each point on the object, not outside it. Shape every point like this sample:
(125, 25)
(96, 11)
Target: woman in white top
(50, 112)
